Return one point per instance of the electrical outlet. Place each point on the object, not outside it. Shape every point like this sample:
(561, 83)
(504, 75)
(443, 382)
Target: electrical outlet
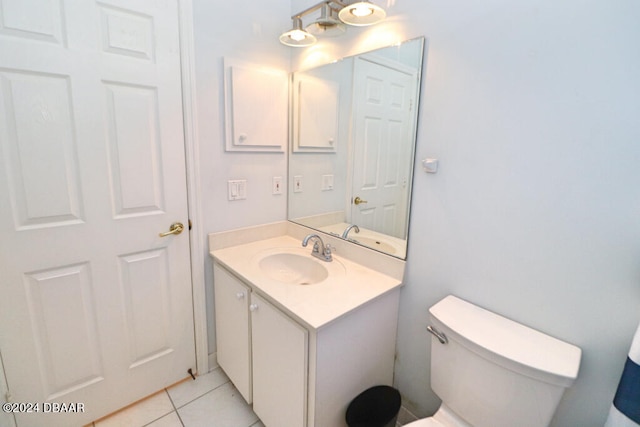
(297, 184)
(277, 185)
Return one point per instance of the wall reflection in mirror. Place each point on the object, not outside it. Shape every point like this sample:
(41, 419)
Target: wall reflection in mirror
(353, 132)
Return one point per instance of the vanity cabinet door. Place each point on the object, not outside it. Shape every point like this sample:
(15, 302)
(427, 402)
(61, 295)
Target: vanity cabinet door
(233, 337)
(279, 366)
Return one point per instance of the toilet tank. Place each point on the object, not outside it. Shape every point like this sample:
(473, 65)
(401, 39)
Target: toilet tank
(494, 372)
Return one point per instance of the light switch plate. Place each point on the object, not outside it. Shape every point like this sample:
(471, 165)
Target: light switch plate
(277, 185)
(297, 184)
(327, 182)
(237, 189)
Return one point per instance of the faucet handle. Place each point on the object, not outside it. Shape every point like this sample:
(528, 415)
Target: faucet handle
(327, 252)
(320, 250)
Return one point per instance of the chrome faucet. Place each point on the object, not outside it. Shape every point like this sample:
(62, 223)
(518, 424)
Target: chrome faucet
(320, 250)
(346, 232)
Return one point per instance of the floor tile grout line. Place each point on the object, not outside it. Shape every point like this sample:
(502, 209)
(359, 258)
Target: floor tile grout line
(171, 399)
(197, 397)
(164, 415)
(175, 409)
(203, 394)
(180, 418)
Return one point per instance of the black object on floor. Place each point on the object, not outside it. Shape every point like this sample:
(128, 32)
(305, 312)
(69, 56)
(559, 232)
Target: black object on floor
(374, 407)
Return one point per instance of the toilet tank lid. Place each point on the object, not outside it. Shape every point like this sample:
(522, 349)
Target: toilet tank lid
(512, 344)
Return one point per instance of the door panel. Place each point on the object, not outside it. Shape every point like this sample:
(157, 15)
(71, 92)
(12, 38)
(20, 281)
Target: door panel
(135, 150)
(95, 306)
(56, 332)
(145, 283)
(43, 177)
(127, 32)
(43, 26)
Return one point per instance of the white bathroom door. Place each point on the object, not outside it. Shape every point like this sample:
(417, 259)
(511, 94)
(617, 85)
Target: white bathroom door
(383, 106)
(95, 307)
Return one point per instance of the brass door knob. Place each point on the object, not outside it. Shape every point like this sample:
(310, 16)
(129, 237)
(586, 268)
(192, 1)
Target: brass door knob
(358, 200)
(176, 228)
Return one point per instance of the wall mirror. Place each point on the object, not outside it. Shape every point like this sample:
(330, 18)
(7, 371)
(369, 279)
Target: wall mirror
(353, 132)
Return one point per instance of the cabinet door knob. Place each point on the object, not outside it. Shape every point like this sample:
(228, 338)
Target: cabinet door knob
(240, 295)
(253, 307)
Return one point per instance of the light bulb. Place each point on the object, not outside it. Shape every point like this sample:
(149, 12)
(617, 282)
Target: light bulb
(362, 13)
(361, 10)
(296, 35)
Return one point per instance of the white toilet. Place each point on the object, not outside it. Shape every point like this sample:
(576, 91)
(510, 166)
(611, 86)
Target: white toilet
(490, 371)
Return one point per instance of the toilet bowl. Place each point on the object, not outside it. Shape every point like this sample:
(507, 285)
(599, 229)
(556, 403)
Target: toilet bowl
(511, 375)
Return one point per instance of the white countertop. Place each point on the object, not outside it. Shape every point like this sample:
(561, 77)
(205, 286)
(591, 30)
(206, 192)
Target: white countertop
(314, 305)
(371, 239)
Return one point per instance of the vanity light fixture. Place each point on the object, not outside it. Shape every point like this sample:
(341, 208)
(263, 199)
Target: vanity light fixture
(362, 13)
(297, 37)
(330, 23)
(327, 24)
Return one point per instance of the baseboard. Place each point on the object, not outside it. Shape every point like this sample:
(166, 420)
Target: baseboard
(405, 416)
(213, 361)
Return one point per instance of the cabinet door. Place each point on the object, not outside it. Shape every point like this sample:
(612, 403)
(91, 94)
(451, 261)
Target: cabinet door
(279, 366)
(233, 338)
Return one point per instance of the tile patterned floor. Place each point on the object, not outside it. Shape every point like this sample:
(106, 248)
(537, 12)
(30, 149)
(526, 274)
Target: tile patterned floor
(210, 400)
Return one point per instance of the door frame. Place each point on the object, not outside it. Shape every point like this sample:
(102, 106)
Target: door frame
(196, 236)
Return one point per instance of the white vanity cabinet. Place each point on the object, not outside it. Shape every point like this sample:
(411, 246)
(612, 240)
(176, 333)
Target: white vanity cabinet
(262, 351)
(292, 350)
(233, 334)
(279, 366)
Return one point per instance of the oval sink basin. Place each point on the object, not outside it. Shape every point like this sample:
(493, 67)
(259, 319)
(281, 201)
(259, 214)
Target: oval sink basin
(293, 269)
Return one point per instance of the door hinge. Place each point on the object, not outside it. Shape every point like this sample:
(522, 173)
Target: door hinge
(190, 225)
